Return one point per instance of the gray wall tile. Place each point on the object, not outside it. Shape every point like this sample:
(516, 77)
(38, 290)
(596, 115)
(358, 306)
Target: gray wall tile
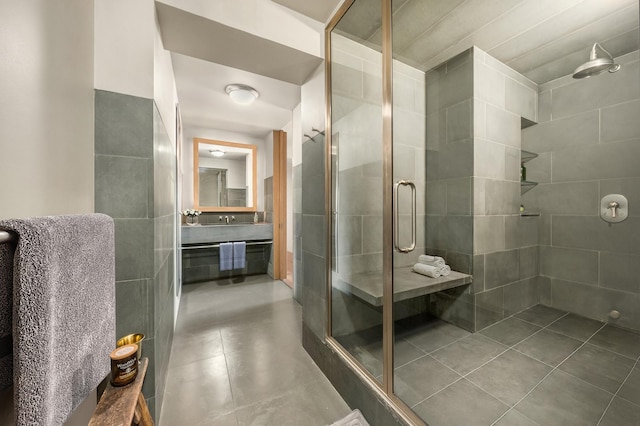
(593, 93)
(521, 100)
(313, 234)
(607, 161)
(123, 125)
(134, 256)
(595, 302)
(619, 271)
(577, 130)
(459, 121)
(573, 198)
(620, 122)
(501, 268)
(569, 264)
(489, 307)
(529, 262)
(459, 196)
(489, 159)
(592, 233)
(488, 234)
(122, 186)
(502, 126)
(489, 84)
(630, 188)
(520, 295)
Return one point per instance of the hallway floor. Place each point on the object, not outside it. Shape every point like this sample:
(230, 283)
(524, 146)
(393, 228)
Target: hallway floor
(237, 359)
(541, 366)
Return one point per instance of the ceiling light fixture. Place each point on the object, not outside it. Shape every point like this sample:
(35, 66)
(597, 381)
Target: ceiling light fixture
(241, 93)
(216, 152)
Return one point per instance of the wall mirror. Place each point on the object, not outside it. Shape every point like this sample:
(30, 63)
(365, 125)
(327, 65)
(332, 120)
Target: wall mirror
(224, 176)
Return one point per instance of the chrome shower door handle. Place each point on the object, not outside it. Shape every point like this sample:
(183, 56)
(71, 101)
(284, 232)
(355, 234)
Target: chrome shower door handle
(396, 225)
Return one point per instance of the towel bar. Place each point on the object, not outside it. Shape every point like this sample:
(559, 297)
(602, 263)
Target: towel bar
(249, 243)
(7, 237)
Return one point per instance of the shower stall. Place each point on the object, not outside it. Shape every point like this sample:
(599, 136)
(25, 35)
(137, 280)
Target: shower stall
(457, 129)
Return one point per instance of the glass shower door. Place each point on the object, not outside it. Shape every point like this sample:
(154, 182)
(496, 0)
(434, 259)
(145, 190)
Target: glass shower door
(357, 210)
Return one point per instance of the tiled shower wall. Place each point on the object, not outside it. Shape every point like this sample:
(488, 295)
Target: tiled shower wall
(505, 244)
(135, 184)
(589, 145)
(474, 109)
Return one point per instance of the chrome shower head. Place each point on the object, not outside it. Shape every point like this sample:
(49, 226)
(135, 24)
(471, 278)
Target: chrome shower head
(596, 65)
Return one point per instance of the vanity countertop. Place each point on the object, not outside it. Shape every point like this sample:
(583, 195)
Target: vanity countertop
(201, 234)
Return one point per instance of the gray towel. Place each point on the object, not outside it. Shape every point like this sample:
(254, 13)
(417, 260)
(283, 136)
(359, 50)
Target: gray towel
(6, 302)
(226, 256)
(63, 313)
(239, 255)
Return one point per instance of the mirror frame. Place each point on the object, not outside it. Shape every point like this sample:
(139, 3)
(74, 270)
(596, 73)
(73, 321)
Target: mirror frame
(196, 177)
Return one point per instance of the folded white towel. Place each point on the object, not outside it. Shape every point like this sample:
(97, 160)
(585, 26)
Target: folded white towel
(431, 260)
(428, 270)
(445, 270)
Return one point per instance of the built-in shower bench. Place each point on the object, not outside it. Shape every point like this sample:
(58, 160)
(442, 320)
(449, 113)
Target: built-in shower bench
(407, 284)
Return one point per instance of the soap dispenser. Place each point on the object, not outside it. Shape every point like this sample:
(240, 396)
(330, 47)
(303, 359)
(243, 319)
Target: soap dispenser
(255, 217)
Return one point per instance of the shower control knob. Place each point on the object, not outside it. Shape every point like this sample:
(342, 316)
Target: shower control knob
(614, 208)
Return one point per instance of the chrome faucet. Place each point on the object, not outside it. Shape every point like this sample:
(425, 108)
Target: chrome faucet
(226, 219)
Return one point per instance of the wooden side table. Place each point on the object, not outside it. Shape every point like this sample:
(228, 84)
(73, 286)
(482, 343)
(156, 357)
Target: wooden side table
(124, 405)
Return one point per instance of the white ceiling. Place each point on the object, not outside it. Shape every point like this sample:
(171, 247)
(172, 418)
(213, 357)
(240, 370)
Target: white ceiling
(542, 39)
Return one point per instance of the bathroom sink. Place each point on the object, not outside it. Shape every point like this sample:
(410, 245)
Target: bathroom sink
(217, 233)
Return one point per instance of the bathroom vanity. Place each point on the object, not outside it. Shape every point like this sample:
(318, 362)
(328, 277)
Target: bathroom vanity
(201, 254)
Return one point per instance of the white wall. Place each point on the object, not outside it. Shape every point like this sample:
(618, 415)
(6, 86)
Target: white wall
(258, 17)
(187, 159)
(46, 112)
(165, 92)
(124, 46)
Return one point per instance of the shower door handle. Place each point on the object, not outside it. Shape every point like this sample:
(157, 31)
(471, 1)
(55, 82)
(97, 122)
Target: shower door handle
(396, 215)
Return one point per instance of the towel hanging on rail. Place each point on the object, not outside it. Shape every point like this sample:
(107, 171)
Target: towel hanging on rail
(226, 256)
(239, 254)
(63, 312)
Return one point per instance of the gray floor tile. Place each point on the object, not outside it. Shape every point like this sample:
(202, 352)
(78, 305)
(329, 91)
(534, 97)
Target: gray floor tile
(461, 404)
(562, 399)
(225, 420)
(621, 413)
(510, 331)
(197, 391)
(434, 335)
(515, 418)
(541, 315)
(314, 404)
(259, 375)
(548, 347)
(600, 367)
(510, 376)
(469, 353)
(188, 347)
(241, 347)
(618, 340)
(422, 378)
(575, 326)
(631, 388)
(371, 355)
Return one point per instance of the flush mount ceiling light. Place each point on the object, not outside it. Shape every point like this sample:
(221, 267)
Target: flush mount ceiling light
(241, 93)
(216, 152)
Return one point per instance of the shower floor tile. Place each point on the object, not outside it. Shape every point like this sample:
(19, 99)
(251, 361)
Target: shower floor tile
(548, 347)
(510, 331)
(510, 376)
(541, 315)
(600, 367)
(462, 403)
(562, 399)
(618, 340)
(577, 327)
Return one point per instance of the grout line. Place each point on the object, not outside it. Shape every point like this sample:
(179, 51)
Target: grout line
(550, 372)
(618, 390)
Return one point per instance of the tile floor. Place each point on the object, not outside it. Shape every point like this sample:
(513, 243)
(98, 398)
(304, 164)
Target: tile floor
(539, 367)
(237, 359)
